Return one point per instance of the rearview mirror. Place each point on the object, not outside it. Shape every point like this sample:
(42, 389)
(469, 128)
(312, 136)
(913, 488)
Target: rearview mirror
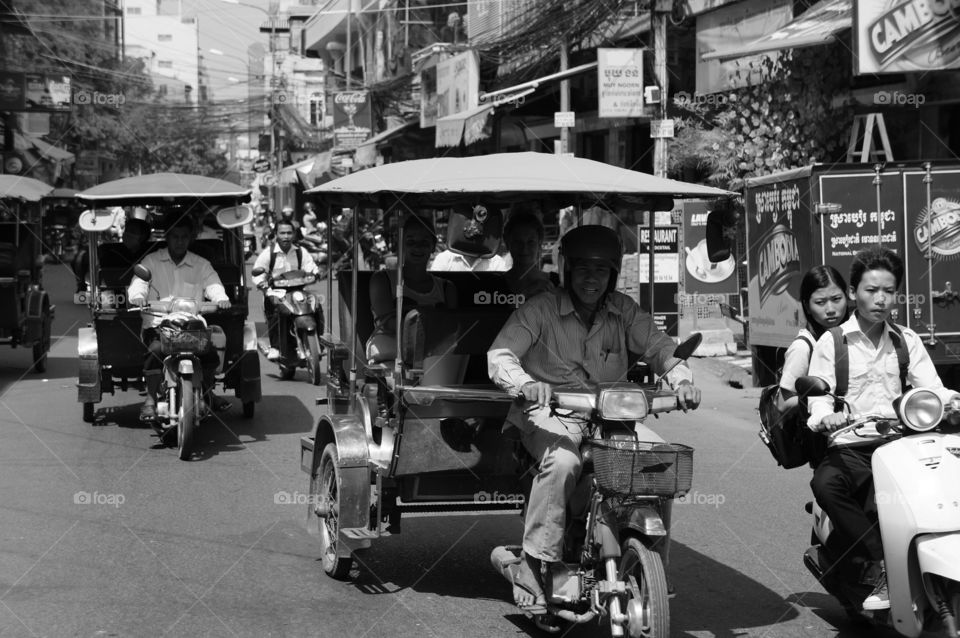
(686, 349)
(234, 216)
(142, 272)
(96, 220)
(259, 270)
(812, 387)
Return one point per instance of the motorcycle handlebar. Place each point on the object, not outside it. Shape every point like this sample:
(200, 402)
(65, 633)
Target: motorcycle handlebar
(163, 308)
(882, 424)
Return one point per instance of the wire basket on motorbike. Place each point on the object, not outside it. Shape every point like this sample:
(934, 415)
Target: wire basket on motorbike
(627, 467)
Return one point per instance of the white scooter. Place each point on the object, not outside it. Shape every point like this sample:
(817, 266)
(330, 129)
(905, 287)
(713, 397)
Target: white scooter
(916, 477)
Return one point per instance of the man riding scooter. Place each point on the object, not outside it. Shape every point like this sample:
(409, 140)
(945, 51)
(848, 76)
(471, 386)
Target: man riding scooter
(176, 272)
(843, 482)
(281, 257)
(533, 353)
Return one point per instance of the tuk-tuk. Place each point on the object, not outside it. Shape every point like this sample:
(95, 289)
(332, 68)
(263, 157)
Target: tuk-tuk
(425, 432)
(110, 350)
(25, 309)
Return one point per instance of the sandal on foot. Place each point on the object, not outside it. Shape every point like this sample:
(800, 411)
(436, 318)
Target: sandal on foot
(527, 596)
(547, 623)
(219, 404)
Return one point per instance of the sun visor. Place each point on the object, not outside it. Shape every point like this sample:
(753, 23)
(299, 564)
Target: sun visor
(234, 216)
(97, 220)
(475, 231)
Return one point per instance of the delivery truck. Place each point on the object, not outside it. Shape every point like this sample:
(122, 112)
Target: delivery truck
(825, 214)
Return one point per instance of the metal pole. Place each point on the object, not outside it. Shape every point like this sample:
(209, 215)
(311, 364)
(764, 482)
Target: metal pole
(876, 182)
(658, 27)
(348, 60)
(564, 98)
(928, 180)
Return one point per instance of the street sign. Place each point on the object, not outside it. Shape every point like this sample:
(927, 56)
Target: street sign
(261, 165)
(564, 119)
(661, 128)
(620, 82)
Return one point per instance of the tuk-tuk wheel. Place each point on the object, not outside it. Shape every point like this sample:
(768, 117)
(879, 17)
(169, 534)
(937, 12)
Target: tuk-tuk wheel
(248, 408)
(325, 492)
(88, 414)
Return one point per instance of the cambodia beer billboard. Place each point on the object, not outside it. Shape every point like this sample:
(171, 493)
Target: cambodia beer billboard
(897, 36)
(779, 250)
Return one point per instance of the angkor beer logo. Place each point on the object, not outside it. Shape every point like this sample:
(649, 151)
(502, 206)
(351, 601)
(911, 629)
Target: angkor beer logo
(913, 29)
(939, 227)
(779, 261)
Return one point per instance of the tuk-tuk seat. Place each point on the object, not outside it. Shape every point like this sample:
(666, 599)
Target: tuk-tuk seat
(8, 260)
(210, 249)
(451, 345)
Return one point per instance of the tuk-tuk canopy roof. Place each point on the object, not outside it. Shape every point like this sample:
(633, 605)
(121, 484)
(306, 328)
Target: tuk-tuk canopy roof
(506, 177)
(161, 188)
(25, 188)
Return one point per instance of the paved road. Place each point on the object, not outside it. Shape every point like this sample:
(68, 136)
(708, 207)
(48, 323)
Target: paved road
(205, 548)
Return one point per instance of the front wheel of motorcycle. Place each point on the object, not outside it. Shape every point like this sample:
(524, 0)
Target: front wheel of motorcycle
(313, 363)
(648, 609)
(186, 420)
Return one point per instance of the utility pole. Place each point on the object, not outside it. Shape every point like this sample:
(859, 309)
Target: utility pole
(658, 27)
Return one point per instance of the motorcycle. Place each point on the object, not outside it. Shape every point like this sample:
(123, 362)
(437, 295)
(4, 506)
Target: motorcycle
(915, 473)
(614, 552)
(184, 336)
(299, 322)
(56, 240)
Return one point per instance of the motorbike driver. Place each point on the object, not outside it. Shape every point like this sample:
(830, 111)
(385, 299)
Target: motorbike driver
(176, 272)
(843, 482)
(282, 256)
(535, 351)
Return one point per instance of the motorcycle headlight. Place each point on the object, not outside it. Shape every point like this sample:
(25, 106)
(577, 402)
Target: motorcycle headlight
(921, 409)
(623, 405)
(189, 306)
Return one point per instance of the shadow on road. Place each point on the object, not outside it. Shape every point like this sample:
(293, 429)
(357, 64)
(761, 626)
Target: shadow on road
(712, 598)
(827, 608)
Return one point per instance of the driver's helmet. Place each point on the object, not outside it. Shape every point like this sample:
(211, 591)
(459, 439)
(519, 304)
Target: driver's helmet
(592, 242)
(184, 305)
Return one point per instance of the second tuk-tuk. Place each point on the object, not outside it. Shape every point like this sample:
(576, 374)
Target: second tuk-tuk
(424, 432)
(111, 351)
(26, 313)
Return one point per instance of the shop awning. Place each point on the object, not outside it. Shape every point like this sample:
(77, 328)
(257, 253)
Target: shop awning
(468, 126)
(298, 172)
(46, 150)
(366, 154)
(817, 26)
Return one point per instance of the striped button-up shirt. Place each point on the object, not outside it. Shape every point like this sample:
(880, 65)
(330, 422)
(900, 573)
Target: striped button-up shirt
(545, 340)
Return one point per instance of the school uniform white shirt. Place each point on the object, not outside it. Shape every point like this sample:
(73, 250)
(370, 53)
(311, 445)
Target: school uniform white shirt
(873, 379)
(193, 278)
(283, 262)
(449, 261)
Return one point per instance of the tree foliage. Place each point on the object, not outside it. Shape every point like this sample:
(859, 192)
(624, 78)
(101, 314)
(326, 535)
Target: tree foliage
(791, 120)
(128, 123)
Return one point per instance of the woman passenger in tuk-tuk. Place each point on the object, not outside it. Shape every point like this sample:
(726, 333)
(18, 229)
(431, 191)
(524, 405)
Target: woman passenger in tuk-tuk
(420, 287)
(523, 234)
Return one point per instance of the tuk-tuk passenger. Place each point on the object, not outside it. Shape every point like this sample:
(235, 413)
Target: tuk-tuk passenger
(133, 244)
(420, 288)
(523, 234)
(534, 351)
(176, 272)
(280, 257)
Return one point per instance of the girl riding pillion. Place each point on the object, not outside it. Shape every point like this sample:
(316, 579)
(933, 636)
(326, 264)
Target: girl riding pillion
(824, 302)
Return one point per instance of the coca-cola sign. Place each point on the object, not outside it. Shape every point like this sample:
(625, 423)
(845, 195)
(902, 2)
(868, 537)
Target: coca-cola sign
(352, 119)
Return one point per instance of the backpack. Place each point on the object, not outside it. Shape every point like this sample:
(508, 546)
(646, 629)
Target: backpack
(843, 366)
(273, 259)
(785, 433)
